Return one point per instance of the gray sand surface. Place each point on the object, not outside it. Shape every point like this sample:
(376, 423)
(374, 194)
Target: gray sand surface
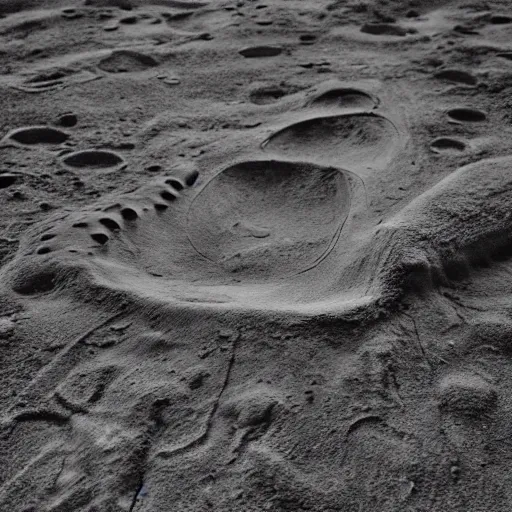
(255, 256)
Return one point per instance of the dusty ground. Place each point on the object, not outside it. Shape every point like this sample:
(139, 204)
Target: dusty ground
(255, 256)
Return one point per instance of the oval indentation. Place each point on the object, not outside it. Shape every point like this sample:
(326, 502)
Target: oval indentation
(94, 158)
(447, 145)
(34, 281)
(457, 76)
(68, 120)
(267, 95)
(129, 214)
(308, 38)
(269, 218)
(166, 195)
(127, 61)
(466, 115)
(174, 183)
(261, 51)
(8, 179)
(354, 139)
(344, 97)
(110, 223)
(191, 178)
(384, 29)
(126, 5)
(101, 238)
(38, 135)
(500, 19)
(505, 55)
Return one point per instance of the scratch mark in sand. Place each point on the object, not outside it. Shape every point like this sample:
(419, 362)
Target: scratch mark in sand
(204, 436)
(420, 345)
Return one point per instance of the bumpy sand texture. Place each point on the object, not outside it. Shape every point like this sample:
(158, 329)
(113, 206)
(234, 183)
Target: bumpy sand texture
(255, 256)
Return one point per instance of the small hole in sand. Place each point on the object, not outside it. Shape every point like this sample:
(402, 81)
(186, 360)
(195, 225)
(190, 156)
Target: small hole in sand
(101, 238)
(110, 223)
(129, 214)
(174, 183)
(500, 19)
(80, 224)
(456, 75)
(447, 145)
(167, 196)
(93, 158)
(191, 178)
(467, 115)
(307, 38)
(68, 120)
(43, 250)
(7, 179)
(261, 51)
(46, 237)
(384, 29)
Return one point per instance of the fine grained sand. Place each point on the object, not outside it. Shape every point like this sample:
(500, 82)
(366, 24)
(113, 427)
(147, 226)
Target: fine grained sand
(256, 256)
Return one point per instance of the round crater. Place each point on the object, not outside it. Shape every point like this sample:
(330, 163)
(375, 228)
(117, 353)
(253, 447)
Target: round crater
(92, 158)
(269, 218)
(352, 139)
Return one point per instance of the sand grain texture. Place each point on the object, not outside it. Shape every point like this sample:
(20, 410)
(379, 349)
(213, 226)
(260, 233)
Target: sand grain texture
(255, 256)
